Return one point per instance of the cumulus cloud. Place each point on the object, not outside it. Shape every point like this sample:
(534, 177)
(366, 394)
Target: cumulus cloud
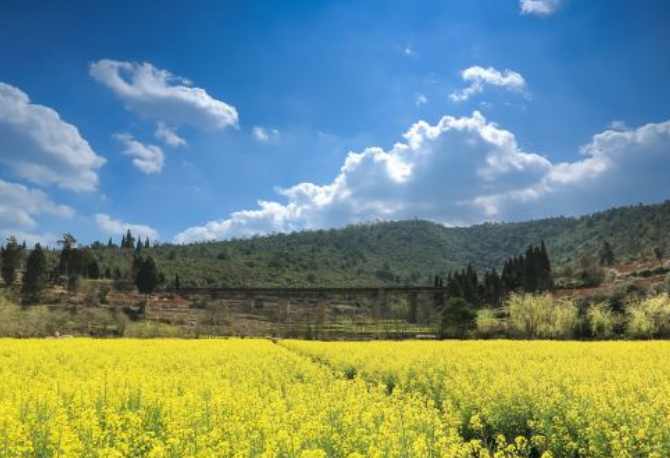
(618, 125)
(111, 226)
(158, 94)
(37, 145)
(168, 136)
(421, 100)
(20, 205)
(463, 171)
(265, 135)
(478, 77)
(539, 7)
(146, 158)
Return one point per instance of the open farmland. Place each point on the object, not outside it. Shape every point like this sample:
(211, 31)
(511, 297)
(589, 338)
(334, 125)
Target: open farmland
(84, 397)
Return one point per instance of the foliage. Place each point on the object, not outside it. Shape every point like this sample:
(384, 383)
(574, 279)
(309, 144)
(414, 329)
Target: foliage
(601, 320)
(541, 316)
(147, 276)
(398, 253)
(35, 278)
(606, 254)
(488, 324)
(590, 272)
(11, 255)
(648, 318)
(457, 318)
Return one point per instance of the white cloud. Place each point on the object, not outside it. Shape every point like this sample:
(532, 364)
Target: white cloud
(19, 205)
(159, 95)
(618, 125)
(42, 148)
(147, 158)
(265, 135)
(539, 7)
(421, 100)
(478, 77)
(409, 51)
(111, 226)
(168, 136)
(464, 171)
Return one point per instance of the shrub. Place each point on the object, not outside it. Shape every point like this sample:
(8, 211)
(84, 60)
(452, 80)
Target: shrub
(541, 316)
(649, 318)
(601, 320)
(590, 272)
(488, 324)
(457, 318)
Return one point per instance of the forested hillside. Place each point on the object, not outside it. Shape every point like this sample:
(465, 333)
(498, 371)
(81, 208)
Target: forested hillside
(403, 252)
(393, 253)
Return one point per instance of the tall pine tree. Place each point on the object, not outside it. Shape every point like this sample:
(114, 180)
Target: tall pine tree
(11, 260)
(35, 278)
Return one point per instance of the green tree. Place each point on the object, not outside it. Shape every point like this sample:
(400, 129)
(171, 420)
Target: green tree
(93, 269)
(11, 260)
(148, 276)
(457, 318)
(606, 254)
(68, 254)
(128, 241)
(35, 278)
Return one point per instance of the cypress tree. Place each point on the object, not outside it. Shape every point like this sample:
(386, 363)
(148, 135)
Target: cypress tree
(130, 240)
(148, 276)
(11, 259)
(35, 277)
(547, 281)
(67, 255)
(606, 254)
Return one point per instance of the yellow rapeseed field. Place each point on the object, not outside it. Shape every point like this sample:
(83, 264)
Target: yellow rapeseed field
(247, 398)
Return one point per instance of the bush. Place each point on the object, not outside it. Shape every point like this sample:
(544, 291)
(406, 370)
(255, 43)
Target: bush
(649, 318)
(457, 319)
(590, 272)
(541, 316)
(601, 320)
(488, 324)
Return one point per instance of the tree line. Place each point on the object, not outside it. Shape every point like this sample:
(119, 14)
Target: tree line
(73, 263)
(466, 291)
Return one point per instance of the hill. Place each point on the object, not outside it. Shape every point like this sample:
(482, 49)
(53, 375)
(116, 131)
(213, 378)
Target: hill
(402, 252)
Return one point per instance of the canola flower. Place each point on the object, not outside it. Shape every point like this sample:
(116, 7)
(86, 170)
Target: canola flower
(254, 398)
(591, 399)
(212, 398)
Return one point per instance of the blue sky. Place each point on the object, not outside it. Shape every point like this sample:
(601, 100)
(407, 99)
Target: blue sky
(224, 119)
